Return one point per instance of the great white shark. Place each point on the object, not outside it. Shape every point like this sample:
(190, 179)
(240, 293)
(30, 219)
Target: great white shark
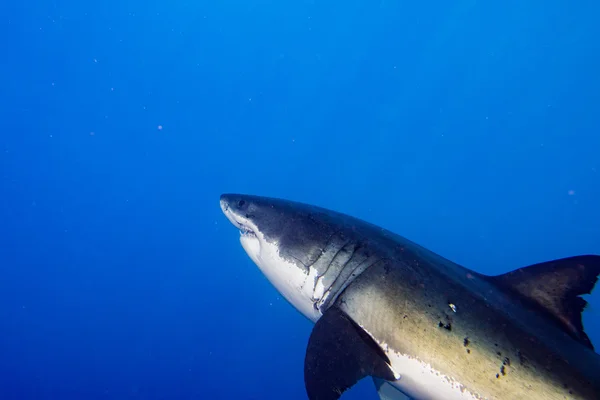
(420, 325)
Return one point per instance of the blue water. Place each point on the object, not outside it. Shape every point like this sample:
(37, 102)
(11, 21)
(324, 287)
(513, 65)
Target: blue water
(471, 128)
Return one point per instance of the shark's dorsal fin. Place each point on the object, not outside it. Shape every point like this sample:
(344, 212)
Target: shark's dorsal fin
(556, 286)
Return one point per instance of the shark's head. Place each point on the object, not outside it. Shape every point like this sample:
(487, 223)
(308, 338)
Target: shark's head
(304, 251)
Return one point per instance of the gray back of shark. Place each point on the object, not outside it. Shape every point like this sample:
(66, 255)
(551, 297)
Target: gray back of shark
(416, 322)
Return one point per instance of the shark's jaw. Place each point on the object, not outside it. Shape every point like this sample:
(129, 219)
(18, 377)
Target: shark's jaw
(248, 236)
(295, 284)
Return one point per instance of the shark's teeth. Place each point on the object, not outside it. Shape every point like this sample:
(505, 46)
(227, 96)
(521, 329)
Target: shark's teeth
(244, 231)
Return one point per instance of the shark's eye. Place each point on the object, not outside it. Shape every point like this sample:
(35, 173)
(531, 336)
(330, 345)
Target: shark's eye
(241, 203)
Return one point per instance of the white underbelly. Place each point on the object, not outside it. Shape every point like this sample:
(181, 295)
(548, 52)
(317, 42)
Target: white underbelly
(419, 381)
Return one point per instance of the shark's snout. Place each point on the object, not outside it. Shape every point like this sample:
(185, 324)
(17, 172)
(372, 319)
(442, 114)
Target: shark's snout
(227, 211)
(228, 206)
(234, 207)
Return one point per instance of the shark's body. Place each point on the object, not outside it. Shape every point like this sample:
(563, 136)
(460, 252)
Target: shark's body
(388, 308)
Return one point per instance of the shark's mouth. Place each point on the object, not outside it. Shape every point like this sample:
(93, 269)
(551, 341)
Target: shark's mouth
(245, 231)
(238, 222)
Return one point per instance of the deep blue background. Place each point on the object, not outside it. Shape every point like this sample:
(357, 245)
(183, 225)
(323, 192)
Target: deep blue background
(471, 128)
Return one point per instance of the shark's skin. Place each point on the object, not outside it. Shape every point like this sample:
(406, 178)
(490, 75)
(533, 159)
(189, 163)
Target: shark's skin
(432, 328)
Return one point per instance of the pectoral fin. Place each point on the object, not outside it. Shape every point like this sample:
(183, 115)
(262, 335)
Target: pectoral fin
(339, 354)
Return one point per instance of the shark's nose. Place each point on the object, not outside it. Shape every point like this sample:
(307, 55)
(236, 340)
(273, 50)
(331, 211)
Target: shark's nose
(224, 205)
(224, 201)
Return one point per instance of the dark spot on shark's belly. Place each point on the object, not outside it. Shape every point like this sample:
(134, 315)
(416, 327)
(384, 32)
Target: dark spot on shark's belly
(522, 358)
(447, 326)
